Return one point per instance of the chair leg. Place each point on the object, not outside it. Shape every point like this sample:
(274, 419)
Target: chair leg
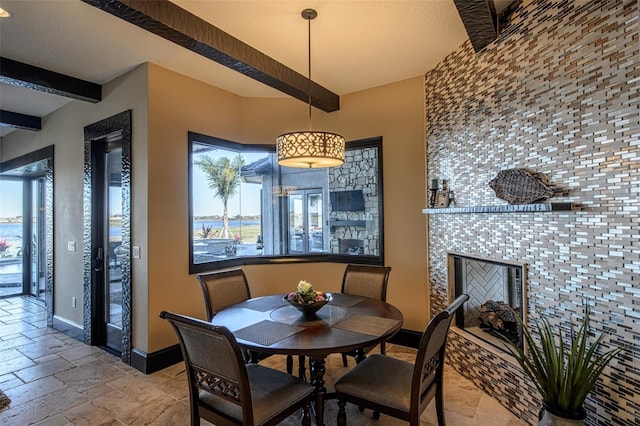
(439, 403)
(342, 415)
(345, 362)
(289, 364)
(306, 418)
(383, 348)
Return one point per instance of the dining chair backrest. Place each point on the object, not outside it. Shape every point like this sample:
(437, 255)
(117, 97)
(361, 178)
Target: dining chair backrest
(399, 388)
(366, 281)
(225, 391)
(223, 289)
(429, 365)
(214, 363)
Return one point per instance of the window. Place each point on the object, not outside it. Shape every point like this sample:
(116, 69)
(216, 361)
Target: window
(245, 209)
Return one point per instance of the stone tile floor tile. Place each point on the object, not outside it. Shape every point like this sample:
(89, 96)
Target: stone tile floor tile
(54, 380)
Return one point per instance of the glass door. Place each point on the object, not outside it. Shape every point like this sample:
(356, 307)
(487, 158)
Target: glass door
(297, 229)
(11, 237)
(315, 222)
(23, 237)
(108, 250)
(306, 219)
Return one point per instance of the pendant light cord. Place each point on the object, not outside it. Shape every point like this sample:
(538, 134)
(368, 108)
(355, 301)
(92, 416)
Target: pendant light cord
(309, 65)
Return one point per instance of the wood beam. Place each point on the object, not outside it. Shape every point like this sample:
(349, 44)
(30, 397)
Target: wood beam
(32, 77)
(19, 121)
(167, 20)
(480, 20)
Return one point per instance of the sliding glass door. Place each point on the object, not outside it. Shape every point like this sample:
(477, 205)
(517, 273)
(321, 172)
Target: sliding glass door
(23, 236)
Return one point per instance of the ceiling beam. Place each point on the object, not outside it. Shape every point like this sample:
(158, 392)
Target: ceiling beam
(19, 121)
(480, 20)
(24, 75)
(167, 20)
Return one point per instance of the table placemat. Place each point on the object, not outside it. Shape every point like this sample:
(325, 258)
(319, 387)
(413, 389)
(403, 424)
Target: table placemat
(366, 324)
(267, 332)
(347, 300)
(263, 304)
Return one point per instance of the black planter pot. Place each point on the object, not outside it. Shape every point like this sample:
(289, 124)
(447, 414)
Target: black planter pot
(550, 416)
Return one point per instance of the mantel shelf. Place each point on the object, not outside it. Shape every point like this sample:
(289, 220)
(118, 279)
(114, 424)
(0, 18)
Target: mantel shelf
(511, 208)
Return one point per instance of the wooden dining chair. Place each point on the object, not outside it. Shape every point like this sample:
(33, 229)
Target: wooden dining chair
(398, 388)
(222, 289)
(366, 281)
(223, 389)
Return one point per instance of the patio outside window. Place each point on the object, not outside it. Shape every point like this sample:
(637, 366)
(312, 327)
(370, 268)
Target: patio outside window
(244, 208)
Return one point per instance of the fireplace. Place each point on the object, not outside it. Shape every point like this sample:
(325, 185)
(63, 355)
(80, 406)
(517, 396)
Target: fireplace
(351, 246)
(496, 296)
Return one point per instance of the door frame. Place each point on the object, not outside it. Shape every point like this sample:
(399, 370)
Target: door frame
(119, 123)
(39, 163)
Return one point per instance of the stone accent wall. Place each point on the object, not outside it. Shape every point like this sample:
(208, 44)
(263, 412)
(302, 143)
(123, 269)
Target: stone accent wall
(557, 93)
(359, 172)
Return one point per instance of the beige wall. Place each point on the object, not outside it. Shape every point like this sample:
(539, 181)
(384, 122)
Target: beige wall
(65, 130)
(395, 112)
(176, 105)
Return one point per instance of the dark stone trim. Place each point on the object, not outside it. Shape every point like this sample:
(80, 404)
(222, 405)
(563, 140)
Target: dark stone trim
(175, 24)
(67, 328)
(102, 129)
(408, 338)
(155, 361)
(20, 121)
(24, 160)
(24, 75)
(50, 218)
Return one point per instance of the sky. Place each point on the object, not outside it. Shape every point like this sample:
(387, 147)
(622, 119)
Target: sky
(10, 198)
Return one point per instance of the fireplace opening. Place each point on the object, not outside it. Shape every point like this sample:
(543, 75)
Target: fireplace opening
(496, 296)
(351, 246)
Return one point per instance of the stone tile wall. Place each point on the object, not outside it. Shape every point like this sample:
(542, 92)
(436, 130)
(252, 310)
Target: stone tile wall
(557, 93)
(359, 172)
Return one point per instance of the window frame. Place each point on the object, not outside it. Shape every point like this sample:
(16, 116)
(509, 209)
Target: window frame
(367, 259)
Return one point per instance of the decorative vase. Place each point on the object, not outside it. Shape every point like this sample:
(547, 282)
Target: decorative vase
(309, 310)
(551, 417)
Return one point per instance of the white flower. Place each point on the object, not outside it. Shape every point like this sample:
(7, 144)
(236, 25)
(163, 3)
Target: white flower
(304, 287)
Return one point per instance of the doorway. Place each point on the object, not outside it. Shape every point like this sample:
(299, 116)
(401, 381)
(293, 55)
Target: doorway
(306, 218)
(108, 234)
(26, 227)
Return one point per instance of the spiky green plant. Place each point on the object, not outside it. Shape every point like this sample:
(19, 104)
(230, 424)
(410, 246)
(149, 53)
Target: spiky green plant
(564, 375)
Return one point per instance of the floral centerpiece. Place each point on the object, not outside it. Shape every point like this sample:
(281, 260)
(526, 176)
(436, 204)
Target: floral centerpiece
(305, 294)
(306, 299)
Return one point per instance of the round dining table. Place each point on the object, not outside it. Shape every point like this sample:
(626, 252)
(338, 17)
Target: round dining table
(348, 323)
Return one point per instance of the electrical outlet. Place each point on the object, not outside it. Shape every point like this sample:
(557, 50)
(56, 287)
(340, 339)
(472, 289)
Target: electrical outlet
(71, 245)
(136, 252)
(73, 302)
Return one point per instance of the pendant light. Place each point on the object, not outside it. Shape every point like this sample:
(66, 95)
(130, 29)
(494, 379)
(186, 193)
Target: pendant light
(310, 149)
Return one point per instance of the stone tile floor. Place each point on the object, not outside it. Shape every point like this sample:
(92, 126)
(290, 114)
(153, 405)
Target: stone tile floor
(53, 379)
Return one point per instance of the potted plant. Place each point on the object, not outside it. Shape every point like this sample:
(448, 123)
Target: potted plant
(563, 374)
